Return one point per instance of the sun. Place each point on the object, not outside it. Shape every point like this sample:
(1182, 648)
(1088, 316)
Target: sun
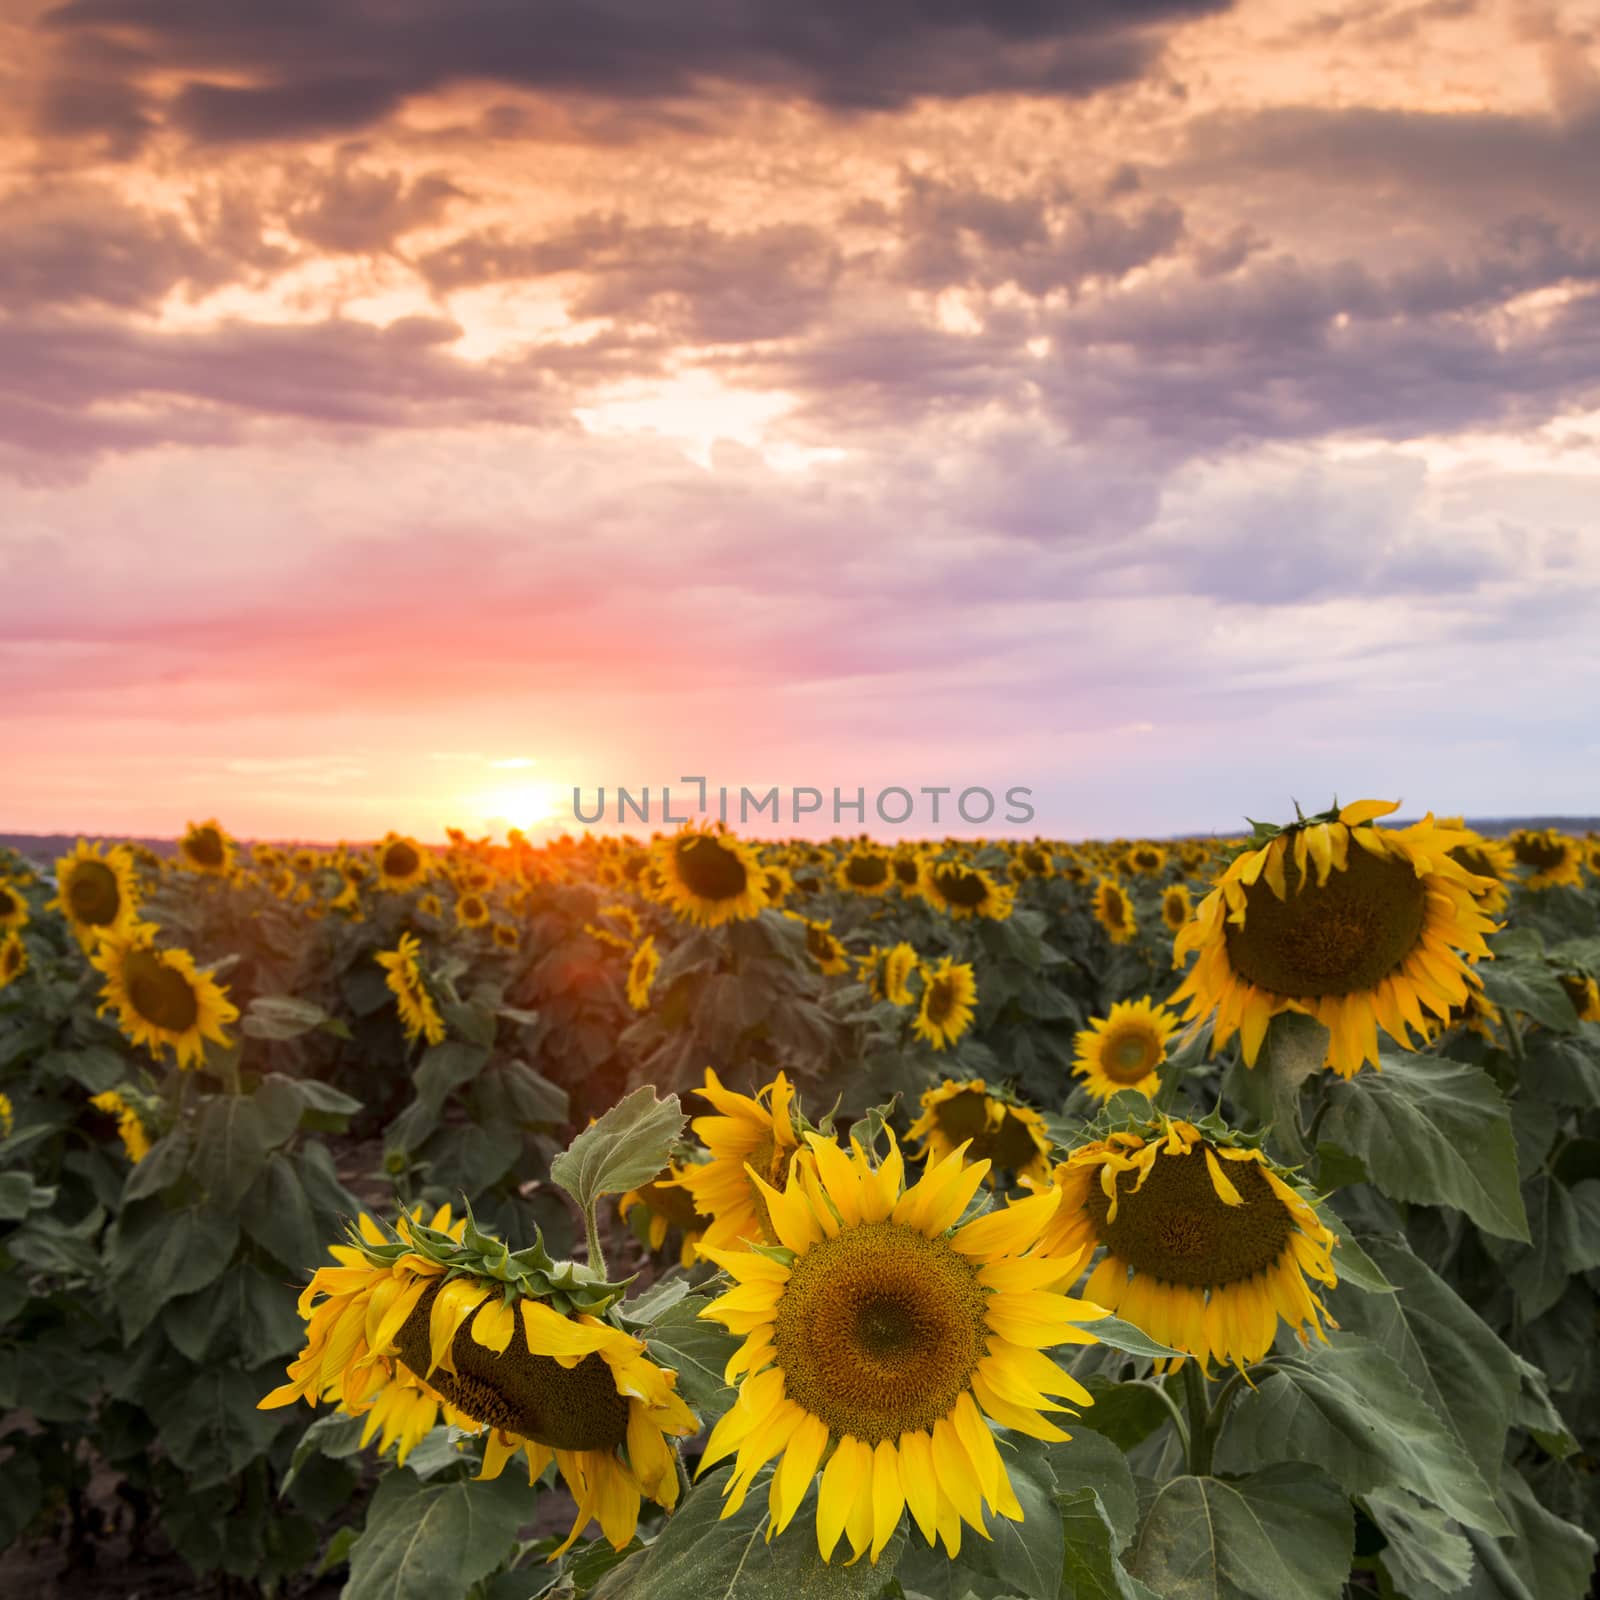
(528, 806)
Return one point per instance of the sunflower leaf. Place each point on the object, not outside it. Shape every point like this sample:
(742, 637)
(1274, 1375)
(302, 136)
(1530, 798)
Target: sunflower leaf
(1134, 1341)
(625, 1148)
(1282, 1534)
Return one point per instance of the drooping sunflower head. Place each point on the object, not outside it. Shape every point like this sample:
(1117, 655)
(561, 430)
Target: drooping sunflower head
(13, 907)
(419, 1015)
(207, 848)
(1552, 858)
(13, 958)
(1176, 906)
(160, 997)
(130, 1125)
(825, 948)
(961, 891)
(879, 1337)
(993, 1128)
(709, 877)
(443, 1321)
(1113, 910)
(401, 862)
(760, 1134)
(1358, 926)
(865, 870)
(1584, 993)
(1207, 1245)
(949, 998)
(888, 973)
(643, 965)
(98, 893)
(1124, 1049)
(664, 1204)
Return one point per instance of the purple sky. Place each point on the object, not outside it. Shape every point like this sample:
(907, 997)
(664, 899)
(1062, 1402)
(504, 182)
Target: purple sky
(410, 411)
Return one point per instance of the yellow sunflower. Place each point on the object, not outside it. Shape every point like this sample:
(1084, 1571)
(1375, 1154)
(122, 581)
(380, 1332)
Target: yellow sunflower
(906, 864)
(1150, 860)
(1176, 906)
(130, 1127)
(709, 878)
(1355, 925)
(888, 973)
(1555, 857)
(825, 948)
(761, 1134)
(1582, 991)
(1207, 1246)
(667, 1204)
(961, 891)
(13, 908)
(402, 863)
(1490, 859)
(625, 916)
(1114, 911)
(97, 894)
(506, 936)
(949, 994)
(419, 1016)
(160, 997)
(472, 910)
(642, 968)
(13, 958)
(417, 1326)
(865, 870)
(1011, 1137)
(1123, 1050)
(778, 882)
(206, 848)
(1037, 860)
(8, 1117)
(876, 1349)
(429, 905)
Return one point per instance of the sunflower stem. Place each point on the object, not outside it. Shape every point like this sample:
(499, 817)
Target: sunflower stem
(1179, 1421)
(1200, 1440)
(597, 1259)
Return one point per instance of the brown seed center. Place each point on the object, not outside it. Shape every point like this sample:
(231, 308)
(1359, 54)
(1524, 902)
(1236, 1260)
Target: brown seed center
(159, 993)
(94, 894)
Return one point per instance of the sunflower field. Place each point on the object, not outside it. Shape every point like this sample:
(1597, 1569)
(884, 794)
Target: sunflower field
(695, 1218)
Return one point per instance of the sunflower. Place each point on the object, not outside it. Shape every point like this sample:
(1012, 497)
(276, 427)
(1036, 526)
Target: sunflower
(420, 1324)
(1114, 911)
(1176, 907)
(624, 915)
(419, 1016)
(506, 936)
(402, 863)
(130, 1127)
(887, 973)
(97, 894)
(1149, 860)
(1011, 1137)
(874, 1347)
(1581, 990)
(962, 891)
(160, 997)
(13, 958)
(906, 864)
(13, 908)
(1555, 857)
(1037, 860)
(206, 848)
(1490, 859)
(1206, 1243)
(8, 1117)
(1123, 1050)
(709, 878)
(760, 1135)
(642, 968)
(1366, 939)
(667, 1204)
(472, 910)
(778, 882)
(865, 871)
(949, 993)
(825, 948)
(429, 905)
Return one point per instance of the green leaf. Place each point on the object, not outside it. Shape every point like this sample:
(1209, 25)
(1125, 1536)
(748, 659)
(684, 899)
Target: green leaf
(1566, 1240)
(1457, 1362)
(231, 1145)
(158, 1255)
(209, 1423)
(1353, 1411)
(1548, 1557)
(166, 1161)
(18, 1196)
(1126, 1413)
(280, 1016)
(654, 1302)
(434, 1541)
(259, 1314)
(1124, 1336)
(625, 1148)
(335, 1435)
(1090, 1460)
(1425, 1547)
(1529, 987)
(697, 1350)
(1282, 1534)
(1435, 1131)
(697, 1556)
(277, 1214)
(1090, 1569)
(1561, 1072)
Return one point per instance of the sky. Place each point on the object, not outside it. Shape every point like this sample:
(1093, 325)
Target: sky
(412, 410)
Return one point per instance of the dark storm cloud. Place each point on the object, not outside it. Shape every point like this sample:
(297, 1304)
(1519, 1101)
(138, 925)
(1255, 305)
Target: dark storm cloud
(315, 67)
(700, 283)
